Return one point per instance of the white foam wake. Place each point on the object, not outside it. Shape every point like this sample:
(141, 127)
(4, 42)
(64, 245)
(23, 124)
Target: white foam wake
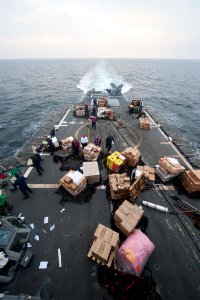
(100, 77)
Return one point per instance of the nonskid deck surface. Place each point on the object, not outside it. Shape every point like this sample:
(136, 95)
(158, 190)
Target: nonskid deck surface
(175, 264)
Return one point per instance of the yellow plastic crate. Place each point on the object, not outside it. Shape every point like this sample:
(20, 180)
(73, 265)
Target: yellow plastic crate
(116, 154)
(110, 161)
(119, 162)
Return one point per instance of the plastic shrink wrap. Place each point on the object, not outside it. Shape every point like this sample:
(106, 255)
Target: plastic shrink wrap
(134, 253)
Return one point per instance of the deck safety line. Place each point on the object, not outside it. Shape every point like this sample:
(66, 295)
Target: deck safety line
(44, 186)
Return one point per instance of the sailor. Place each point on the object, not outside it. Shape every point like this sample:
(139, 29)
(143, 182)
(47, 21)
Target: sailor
(75, 146)
(109, 142)
(94, 102)
(4, 204)
(94, 120)
(84, 141)
(21, 183)
(97, 141)
(86, 110)
(36, 158)
(53, 131)
(51, 146)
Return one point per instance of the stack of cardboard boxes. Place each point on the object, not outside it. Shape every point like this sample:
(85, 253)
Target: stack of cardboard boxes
(91, 172)
(132, 156)
(102, 102)
(115, 161)
(67, 144)
(149, 173)
(74, 182)
(127, 216)
(91, 152)
(145, 123)
(79, 111)
(137, 187)
(119, 186)
(104, 112)
(191, 181)
(168, 168)
(104, 245)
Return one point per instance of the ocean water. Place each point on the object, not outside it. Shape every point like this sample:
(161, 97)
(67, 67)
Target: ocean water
(31, 90)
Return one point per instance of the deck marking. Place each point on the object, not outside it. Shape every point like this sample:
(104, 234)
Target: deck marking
(44, 186)
(45, 154)
(65, 125)
(26, 174)
(64, 117)
(101, 187)
(77, 131)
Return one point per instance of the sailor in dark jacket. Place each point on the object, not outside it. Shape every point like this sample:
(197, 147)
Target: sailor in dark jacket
(109, 142)
(36, 158)
(21, 183)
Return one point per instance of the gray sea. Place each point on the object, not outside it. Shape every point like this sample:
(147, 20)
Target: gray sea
(32, 90)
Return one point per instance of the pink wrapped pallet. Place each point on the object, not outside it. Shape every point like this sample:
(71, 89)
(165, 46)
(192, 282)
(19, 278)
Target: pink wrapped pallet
(134, 253)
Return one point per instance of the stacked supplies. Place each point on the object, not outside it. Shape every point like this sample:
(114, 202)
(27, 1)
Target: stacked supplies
(149, 173)
(104, 112)
(91, 172)
(102, 102)
(132, 156)
(91, 152)
(134, 253)
(104, 245)
(127, 216)
(145, 123)
(74, 182)
(119, 186)
(191, 181)
(138, 186)
(115, 161)
(80, 111)
(67, 144)
(168, 168)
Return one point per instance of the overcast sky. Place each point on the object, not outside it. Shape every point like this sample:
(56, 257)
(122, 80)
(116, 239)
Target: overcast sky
(100, 28)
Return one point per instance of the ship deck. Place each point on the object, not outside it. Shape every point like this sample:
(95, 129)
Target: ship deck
(175, 263)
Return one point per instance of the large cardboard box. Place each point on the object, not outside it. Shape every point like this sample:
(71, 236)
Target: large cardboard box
(132, 156)
(91, 152)
(91, 172)
(191, 181)
(119, 186)
(101, 250)
(107, 235)
(127, 216)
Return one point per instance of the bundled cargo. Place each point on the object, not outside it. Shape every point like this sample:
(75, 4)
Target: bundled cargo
(74, 182)
(115, 161)
(67, 144)
(171, 165)
(138, 186)
(104, 245)
(149, 173)
(104, 112)
(134, 253)
(191, 181)
(119, 186)
(163, 174)
(79, 111)
(91, 152)
(102, 102)
(132, 156)
(127, 216)
(145, 123)
(91, 172)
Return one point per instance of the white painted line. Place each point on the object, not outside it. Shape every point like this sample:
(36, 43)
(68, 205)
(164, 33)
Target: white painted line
(26, 174)
(44, 186)
(45, 154)
(64, 117)
(63, 125)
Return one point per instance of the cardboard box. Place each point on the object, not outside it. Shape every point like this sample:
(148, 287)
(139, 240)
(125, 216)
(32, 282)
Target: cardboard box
(74, 182)
(91, 172)
(127, 216)
(101, 250)
(107, 235)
